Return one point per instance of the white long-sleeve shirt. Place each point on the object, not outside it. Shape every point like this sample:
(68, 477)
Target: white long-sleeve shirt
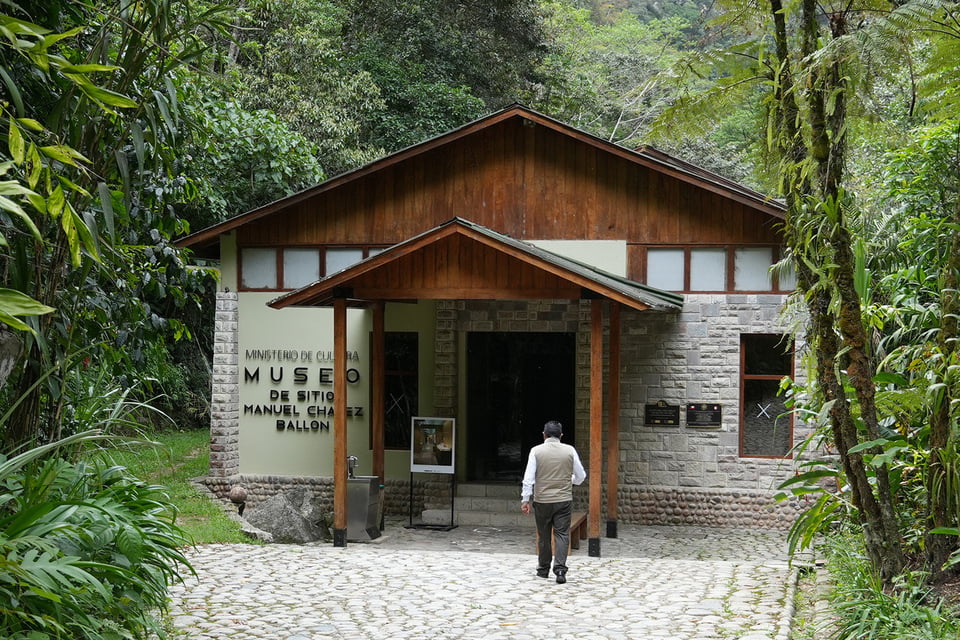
(530, 474)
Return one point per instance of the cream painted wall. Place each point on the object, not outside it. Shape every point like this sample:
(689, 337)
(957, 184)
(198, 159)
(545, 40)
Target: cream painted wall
(286, 364)
(286, 386)
(609, 255)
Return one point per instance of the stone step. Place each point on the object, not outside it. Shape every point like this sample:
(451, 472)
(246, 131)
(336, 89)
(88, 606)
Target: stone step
(477, 490)
(477, 518)
(489, 505)
(477, 504)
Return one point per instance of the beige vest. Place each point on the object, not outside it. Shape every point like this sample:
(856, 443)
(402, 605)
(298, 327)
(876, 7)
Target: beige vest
(554, 471)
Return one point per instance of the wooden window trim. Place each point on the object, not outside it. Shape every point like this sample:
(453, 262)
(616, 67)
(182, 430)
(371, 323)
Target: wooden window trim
(322, 257)
(754, 376)
(731, 253)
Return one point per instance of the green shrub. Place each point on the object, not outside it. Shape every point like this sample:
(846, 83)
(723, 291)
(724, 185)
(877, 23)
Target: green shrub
(86, 550)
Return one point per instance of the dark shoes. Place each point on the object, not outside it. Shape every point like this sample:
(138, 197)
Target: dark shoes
(545, 573)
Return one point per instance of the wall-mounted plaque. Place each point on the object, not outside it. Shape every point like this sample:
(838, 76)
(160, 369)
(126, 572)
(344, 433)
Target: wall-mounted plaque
(704, 414)
(661, 414)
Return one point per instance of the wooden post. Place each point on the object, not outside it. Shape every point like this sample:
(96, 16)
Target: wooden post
(613, 418)
(596, 425)
(377, 382)
(340, 422)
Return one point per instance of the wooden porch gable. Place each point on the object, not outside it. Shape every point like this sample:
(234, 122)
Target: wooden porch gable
(461, 260)
(458, 266)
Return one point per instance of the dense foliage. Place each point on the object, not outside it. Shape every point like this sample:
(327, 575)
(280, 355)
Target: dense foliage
(87, 550)
(127, 123)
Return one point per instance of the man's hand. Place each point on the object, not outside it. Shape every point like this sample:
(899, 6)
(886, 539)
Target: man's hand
(525, 508)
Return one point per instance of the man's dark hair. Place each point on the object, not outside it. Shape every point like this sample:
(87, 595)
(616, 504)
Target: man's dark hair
(553, 429)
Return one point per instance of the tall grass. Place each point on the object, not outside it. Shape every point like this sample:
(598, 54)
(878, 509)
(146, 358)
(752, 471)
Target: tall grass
(175, 459)
(864, 609)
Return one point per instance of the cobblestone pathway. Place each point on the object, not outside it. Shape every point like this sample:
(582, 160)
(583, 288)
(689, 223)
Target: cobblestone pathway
(473, 583)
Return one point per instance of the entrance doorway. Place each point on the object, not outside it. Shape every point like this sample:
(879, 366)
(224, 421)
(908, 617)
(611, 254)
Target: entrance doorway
(515, 383)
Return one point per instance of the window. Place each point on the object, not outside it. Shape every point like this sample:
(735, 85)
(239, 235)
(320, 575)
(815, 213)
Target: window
(751, 269)
(708, 269)
(259, 269)
(665, 269)
(295, 267)
(340, 258)
(300, 267)
(766, 429)
(716, 269)
(401, 387)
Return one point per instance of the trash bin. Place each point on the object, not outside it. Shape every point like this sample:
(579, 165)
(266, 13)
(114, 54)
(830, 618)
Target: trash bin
(363, 506)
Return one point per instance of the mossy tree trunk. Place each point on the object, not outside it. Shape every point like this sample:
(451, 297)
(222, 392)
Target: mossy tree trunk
(812, 161)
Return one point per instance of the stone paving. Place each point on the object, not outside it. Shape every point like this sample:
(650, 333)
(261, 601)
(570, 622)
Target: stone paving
(677, 583)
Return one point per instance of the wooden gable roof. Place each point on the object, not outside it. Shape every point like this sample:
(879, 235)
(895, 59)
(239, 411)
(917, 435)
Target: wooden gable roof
(522, 174)
(460, 260)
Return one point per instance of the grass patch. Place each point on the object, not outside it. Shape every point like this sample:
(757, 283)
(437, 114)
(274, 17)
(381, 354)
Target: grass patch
(864, 608)
(178, 457)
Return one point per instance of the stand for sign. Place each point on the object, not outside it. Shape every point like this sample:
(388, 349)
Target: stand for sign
(434, 527)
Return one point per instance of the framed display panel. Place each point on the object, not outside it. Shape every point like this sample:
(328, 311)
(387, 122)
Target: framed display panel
(431, 445)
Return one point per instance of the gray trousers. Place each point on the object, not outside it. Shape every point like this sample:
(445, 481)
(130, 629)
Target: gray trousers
(553, 524)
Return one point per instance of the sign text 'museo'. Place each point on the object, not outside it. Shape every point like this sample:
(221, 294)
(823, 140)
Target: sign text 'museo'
(299, 394)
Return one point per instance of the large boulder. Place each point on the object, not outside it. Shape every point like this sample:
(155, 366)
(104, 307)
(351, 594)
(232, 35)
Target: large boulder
(295, 516)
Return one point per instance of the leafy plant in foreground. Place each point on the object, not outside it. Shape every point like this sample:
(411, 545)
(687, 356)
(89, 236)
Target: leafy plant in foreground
(86, 550)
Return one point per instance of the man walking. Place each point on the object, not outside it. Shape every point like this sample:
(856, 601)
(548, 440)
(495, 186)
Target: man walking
(552, 470)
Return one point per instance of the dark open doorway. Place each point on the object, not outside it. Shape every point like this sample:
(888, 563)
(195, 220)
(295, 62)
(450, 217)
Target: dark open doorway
(515, 383)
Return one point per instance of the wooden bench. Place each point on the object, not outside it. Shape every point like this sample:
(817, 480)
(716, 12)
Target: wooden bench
(578, 528)
(578, 531)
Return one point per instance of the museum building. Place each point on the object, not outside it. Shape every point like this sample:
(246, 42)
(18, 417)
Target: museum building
(509, 272)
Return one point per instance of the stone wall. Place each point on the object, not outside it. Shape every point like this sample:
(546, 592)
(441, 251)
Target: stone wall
(225, 397)
(727, 508)
(643, 505)
(262, 487)
(694, 356)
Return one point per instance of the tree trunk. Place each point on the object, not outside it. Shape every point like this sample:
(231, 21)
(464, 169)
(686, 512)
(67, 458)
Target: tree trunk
(10, 348)
(828, 149)
(24, 428)
(838, 340)
(941, 505)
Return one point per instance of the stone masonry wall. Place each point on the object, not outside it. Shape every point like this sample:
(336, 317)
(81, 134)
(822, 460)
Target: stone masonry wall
(396, 493)
(694, 356)
(722, 508)
(225, 398)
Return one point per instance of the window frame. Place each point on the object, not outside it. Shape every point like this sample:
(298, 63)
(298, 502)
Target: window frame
(322, 257)
(387, 373)
(777, 252)
(744, 377)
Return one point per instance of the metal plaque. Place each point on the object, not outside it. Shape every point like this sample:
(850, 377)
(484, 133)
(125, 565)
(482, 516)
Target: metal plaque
(661, 414)
(704, 414)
